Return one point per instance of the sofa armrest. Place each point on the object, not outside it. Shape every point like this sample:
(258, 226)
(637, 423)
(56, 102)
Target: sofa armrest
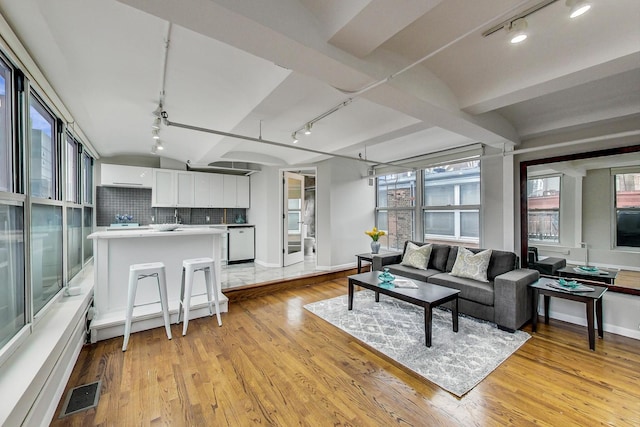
(380, 260)
(512, 302)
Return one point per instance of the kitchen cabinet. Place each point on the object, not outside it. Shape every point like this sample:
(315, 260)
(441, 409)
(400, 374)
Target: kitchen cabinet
(208, 190)
(172, 188)
(126, 176)
(236, 191)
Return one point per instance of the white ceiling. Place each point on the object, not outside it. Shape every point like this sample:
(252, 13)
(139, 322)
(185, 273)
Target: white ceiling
(264, 69)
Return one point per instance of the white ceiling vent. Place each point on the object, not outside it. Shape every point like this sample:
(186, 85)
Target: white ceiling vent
(231, 168)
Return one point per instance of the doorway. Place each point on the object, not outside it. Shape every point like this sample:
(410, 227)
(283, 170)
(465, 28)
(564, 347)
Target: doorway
(299, 220)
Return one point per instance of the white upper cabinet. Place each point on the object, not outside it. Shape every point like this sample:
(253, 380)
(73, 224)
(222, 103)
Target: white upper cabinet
(208, 190)
(236, 191)
(126, 176)
(163, 192)
(173, 188)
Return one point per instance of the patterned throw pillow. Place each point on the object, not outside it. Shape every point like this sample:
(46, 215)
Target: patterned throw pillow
(417, 256)
(470, 265)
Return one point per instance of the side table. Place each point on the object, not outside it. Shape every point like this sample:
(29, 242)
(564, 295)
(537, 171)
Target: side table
(589, 298)
(364, 257)
(603, 276)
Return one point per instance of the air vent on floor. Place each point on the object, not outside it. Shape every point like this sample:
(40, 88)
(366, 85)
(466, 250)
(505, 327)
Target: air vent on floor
(81, 398)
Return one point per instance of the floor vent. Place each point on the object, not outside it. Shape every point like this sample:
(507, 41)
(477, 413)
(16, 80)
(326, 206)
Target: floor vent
(81, 398)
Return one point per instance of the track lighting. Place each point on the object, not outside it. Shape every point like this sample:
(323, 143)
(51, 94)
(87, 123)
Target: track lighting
(154, 149)
(159, 145)
(156, 123)
(155, 134)
(517, 31)
(578, 7)
(307, 128)
(158, 111)
(294, 136)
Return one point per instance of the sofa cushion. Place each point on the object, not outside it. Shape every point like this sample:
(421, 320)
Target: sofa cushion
(439, 255)
(470, 265)
(416, 256)
(500, 262)
(410, 272)
(472, 290)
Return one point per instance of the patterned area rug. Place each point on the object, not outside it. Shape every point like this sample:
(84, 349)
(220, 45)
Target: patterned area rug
(457, 362)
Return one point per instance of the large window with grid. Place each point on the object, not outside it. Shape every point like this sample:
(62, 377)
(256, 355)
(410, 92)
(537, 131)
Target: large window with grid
(439, 203)
(627, 209)
(452, 203)
(543, 204)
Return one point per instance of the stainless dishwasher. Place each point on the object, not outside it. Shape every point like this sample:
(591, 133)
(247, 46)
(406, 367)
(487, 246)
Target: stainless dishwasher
(241, 243)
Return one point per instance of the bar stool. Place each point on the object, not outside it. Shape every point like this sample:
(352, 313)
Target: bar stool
(142, 271)
(189, 267)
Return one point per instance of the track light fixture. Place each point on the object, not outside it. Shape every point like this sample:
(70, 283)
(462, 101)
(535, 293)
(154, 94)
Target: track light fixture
(158, 111)
(517, 31)
(294, 137)
(159, 145)
(577, 7)
(154, 149)
(155, 134)
(156, 123)
(307, 128)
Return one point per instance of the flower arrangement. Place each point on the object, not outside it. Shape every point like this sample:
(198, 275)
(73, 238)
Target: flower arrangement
(375, 234)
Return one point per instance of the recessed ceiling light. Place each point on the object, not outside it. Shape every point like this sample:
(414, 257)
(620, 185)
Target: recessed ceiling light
(578, 7)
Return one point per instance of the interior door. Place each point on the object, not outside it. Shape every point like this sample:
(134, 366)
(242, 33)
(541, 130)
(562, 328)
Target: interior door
(292, 238)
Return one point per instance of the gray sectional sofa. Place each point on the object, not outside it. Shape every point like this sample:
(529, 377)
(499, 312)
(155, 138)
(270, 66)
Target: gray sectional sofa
(505, 299)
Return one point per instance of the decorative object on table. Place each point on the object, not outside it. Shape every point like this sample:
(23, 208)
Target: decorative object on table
(386, 279)
(586, 269)
(164, 227)
(239, 219)
(375, 235)
(569, 286)
(124, 218)
(457, 362)
(405, 283)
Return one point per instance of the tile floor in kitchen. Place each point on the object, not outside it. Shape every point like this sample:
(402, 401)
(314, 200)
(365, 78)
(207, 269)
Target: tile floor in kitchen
(248, 273)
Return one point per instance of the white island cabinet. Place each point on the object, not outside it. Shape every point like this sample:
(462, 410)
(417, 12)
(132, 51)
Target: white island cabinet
(115, 251)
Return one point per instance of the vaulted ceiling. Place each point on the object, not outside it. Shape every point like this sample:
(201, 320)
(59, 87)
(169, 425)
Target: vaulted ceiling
(404, 78)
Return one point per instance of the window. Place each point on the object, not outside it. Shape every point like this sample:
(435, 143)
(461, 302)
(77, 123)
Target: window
(627, 206)
(44, 154)
(74, 241)
(87, 228)
(451, 209)
(73, 168)
(12, 286)
(543, 202)
(87, 179)
(6, 140)
(46, 253)
(395, 212)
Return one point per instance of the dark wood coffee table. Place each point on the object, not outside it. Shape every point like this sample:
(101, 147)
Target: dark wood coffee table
(589, 298)
(427, 295)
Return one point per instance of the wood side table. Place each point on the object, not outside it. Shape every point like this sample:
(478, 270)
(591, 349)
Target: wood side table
(589, 298)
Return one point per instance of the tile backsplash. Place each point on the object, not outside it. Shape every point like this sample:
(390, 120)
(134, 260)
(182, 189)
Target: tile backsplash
(112, 201)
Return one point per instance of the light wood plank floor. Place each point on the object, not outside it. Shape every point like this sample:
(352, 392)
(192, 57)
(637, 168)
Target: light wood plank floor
(274, 363)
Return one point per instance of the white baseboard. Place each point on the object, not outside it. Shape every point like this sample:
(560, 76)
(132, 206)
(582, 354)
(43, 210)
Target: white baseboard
(614, 329)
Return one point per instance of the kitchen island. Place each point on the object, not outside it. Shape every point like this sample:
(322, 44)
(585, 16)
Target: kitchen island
(115, 251)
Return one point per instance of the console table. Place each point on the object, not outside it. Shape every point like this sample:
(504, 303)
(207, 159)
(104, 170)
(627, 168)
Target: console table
(603, 276)
(589, 298)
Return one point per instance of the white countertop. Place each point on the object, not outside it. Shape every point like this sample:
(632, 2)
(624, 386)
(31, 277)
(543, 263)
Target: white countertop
(133, 233)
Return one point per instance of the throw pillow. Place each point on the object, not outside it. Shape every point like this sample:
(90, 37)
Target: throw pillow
(470, 265)
(417, 256)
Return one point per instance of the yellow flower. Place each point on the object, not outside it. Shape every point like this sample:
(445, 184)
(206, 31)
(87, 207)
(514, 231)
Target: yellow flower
(375, 234)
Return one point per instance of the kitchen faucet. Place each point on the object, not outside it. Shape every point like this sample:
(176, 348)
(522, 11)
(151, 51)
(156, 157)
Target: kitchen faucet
(175, 215)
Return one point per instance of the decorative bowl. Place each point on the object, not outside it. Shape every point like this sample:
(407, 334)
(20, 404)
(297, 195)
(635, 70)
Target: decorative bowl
(164, 227)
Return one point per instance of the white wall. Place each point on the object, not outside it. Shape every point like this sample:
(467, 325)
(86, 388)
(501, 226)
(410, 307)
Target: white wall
(265, 214)
(493, 198)
(345, 205)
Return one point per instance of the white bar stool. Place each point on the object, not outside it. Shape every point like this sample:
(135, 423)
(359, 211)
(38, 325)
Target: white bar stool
(189, 267)
(142, 271)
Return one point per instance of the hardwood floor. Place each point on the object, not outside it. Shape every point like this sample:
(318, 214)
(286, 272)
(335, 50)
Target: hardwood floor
(274, 363)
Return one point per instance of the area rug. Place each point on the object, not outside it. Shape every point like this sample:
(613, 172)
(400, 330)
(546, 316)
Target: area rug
(457, 362)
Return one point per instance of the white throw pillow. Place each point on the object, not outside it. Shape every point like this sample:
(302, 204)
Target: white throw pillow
(470, 265)
(417, 256)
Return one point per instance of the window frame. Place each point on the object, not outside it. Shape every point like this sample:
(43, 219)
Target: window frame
(616, 209)
(559, 210)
